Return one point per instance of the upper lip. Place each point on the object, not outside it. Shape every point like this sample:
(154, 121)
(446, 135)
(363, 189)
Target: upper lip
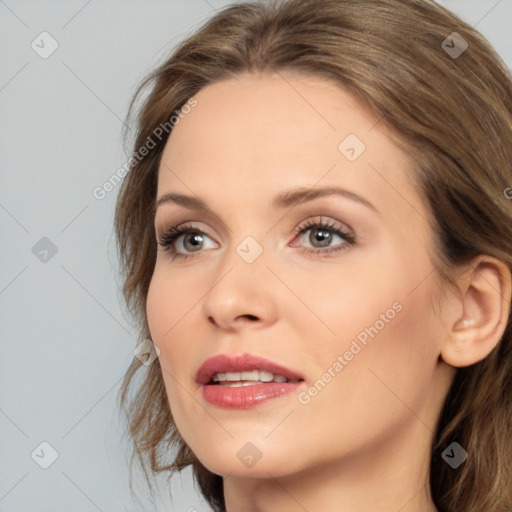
(224, 363)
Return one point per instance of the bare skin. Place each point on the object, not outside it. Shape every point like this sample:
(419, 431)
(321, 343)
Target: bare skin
(362, 442)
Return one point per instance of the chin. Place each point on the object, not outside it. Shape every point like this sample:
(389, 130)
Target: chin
(238, 457)
(227, 467)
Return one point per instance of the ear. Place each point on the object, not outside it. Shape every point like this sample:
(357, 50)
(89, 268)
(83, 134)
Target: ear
(485, 295)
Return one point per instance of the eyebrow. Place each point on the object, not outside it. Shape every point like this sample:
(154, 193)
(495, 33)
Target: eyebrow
(286, 199)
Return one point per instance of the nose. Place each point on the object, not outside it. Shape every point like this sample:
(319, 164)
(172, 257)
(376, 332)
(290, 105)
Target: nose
(243, 296)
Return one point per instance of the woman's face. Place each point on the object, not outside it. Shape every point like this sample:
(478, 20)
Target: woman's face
(334, 287)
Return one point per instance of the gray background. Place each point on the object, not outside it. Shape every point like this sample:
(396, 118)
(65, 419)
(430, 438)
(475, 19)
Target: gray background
(65, 339)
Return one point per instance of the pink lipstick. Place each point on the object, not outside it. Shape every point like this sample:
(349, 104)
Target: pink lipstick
(244, 381)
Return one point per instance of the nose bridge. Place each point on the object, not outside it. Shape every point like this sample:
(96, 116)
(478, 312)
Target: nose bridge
(247, 236)
(243, 269)
(250, 250)
(241, 288)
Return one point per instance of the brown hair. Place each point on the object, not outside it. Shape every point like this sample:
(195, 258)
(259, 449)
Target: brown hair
(451, 114)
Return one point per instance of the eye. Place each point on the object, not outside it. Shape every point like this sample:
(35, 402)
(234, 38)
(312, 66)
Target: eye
(322, 234)
(177, 242)
(185, 240)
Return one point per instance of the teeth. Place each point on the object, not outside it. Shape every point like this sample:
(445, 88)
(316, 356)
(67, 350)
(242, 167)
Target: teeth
(266, 376)
(252, 375)
(247, 378)
(237, 384)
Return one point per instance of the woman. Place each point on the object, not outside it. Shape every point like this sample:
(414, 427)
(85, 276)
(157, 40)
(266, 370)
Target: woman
(316, 236)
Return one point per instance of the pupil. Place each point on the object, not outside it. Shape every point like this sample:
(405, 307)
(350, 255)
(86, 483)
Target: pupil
(195, 240)
(322, 236)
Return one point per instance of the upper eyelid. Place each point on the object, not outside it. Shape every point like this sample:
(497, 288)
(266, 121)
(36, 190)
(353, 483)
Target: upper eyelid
(167, 223)
(318, 218)
(310, 210)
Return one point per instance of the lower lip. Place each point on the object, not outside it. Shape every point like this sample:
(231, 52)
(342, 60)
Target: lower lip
(245, 397)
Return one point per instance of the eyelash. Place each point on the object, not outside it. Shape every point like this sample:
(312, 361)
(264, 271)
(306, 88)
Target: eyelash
(172, 234)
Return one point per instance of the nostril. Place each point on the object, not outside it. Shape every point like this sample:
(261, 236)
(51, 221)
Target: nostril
(212, 321)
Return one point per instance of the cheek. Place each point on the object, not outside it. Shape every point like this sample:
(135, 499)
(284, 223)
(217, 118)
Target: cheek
(158, 301)
(350, 305)
(167, 305)
(398, 354)
(168, 302)
(400, 338)
(379, 381)
(382, 322)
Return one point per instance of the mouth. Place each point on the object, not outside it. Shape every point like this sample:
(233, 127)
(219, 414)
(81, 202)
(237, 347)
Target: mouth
(243, 381)
(228, 369)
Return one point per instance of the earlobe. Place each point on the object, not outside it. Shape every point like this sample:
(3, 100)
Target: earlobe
(485, 299)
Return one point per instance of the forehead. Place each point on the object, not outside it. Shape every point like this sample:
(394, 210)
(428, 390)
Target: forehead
(260, 132)
(293, 116)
